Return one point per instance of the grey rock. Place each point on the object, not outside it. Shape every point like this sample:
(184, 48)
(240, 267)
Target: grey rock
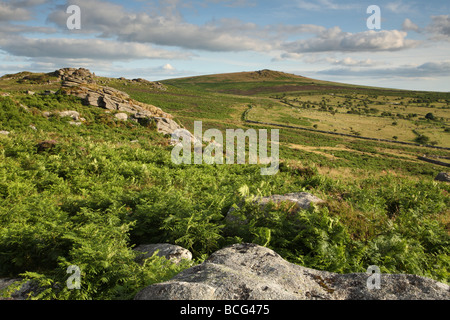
(443, 176)
(4, 132)
(127, 108)
(180, 134)
(121, 116)
(94, 99)
(73, 114)
(22, 292)
(107, 103)
(249, 272)
(171, 252)
(300, 200)
(166, 126)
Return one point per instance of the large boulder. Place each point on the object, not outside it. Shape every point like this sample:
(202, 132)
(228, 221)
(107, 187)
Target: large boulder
(249, 272)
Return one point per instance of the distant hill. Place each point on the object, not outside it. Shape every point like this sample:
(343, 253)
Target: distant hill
(260, 83)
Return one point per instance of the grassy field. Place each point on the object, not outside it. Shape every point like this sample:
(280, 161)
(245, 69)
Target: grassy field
(107, 185)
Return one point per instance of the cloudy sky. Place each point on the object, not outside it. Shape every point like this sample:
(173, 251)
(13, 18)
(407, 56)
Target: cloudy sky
(160, 39)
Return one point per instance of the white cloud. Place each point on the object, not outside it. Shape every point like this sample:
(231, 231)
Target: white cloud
(84, 49)
(440, 27)
(114, 21)
(168, 67)
(425, 70)
(408, 25)
(324, 5)
(398, 7)
(349, 61)
(335, 40)
(8, 12)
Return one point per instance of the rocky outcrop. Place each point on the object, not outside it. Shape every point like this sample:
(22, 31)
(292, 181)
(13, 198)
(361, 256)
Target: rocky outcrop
(171, 252)
(149, 84)
(81, 83)
(249, 272)
(443, 176)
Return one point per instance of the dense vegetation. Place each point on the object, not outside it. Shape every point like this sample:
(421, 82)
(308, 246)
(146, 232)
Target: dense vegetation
(104, 187)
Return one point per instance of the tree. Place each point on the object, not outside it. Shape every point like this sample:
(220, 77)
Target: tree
(422, 139)
(430, 116)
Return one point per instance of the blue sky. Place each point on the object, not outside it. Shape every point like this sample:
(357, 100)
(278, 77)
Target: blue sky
(156, 40)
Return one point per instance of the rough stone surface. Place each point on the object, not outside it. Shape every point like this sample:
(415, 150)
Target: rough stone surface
(249, 272)
(23, 292)
(165, 125)
(170, 251)
(443, 176)
(73, 114)
(121, 116)
(302, 200)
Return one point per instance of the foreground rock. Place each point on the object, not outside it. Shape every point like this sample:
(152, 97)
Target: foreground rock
(249, 272)
(21, 292)
(171, 252)
(443, 176)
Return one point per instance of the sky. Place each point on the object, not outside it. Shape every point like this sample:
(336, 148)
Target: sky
(156, 40)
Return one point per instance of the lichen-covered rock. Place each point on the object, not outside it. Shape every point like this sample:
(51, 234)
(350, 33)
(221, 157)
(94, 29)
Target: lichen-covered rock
(165, 125)
(170, 251)
(249, 272)
(302, 200)
(18, 291)
(72, 114)
(121, 116)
